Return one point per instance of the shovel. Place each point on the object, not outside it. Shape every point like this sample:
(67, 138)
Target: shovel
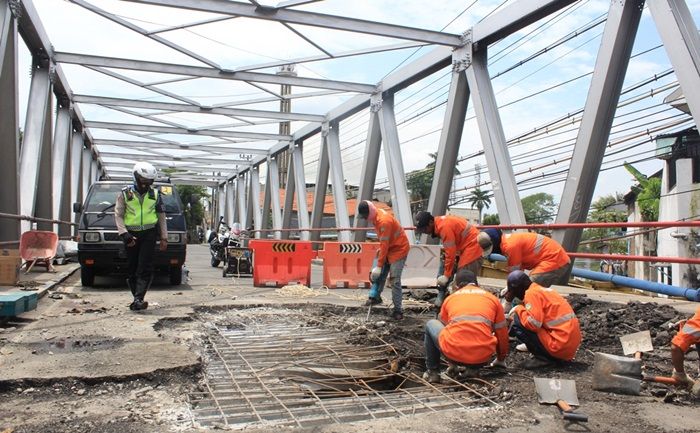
(622, 375)
(635, 344)
(561, 392)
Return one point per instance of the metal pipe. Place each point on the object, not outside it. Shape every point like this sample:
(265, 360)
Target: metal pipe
(626, 257)
(690, 294)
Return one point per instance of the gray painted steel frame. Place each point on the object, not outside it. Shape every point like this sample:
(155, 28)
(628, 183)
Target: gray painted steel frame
(394, 163)
(9, 125)
(60, 167)
(32, 143)
(680, 37)
(598, 114)
(505, 190)
(300, 187)
(335, 160)
(272, 188)
(254, 198)
(321, 185)
(370, 162)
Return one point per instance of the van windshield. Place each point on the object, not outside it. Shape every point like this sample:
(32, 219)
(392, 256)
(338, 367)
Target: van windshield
(103, 197)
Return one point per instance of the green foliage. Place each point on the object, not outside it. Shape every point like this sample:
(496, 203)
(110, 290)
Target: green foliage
(648, 194)
(191, 197)
(491, 220)
(419, 182)
(538, 208)
(479, 199)
(602, 210)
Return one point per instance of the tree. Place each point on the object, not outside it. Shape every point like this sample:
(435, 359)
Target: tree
(491, 220)
(419, 182)
(191, 197)
(648, 193)
(538, 208)
(603, 210)
(479, 199)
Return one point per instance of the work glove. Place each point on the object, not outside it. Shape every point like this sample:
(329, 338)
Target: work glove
(498, 364)
(374, 275)
(683, 380)
(128, 239)
(442, 281)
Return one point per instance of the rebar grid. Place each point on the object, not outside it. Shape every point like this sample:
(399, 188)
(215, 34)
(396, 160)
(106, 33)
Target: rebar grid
(272, 369)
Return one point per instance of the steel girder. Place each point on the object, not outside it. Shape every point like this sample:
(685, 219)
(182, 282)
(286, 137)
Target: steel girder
(184, 131)
(680, 37)
(85, 172)
(189, 146)
(598, 114)
(321, 188)
(43, 207)
(241, 205)
(60, 168)
(300, 187)
(271, 204)
(394, 163)
(32, 143)
(451, 135)
(230, 203)
(310, 19)
(368, 175)
(9, 125)
(335, 160)
(289, 193)
(76, 156)
(254, 199)
(505, 190)
(203, 72)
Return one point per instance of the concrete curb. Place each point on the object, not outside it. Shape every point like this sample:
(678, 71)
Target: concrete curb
(60, 277)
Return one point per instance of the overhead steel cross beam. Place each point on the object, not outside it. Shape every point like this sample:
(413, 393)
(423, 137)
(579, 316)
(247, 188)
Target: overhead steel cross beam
(184, 146)
(288, 16)
(185, 131)
(99, 100)
(184, 158)
(204, 72)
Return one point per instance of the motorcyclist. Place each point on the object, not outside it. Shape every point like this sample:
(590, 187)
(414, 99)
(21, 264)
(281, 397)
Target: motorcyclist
(140, 218)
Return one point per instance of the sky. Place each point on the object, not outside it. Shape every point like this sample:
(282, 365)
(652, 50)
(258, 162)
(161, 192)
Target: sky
(546, 88)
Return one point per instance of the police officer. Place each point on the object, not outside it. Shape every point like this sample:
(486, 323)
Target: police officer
(140, 217)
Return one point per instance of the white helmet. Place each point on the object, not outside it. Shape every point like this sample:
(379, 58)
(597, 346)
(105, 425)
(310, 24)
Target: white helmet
(236, 229)
(145, 171)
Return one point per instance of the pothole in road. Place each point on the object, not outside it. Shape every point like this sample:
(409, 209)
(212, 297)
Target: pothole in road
(310, 366)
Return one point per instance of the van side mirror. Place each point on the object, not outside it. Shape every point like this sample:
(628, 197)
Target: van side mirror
(77, 207)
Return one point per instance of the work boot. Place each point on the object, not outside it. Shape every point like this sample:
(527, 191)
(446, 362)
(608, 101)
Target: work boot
(373, 301)
(432, 376)
(397, 315)
(442, 294)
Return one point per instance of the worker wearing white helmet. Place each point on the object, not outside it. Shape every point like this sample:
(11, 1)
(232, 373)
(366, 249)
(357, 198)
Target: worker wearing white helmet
(140, 218)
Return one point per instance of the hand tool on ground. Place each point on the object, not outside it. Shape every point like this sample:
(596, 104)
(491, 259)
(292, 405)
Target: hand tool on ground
(622, 375)
(635, 344)
(561, 392)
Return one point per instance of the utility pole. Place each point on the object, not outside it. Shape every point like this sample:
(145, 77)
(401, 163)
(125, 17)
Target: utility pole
(285, 129)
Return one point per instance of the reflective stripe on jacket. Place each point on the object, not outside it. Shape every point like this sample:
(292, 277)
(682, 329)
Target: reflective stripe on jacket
(689, 333)
(458, 236)
(393, 242)
(140, 210)
(547, 313)
(475, 327)
(534, 252)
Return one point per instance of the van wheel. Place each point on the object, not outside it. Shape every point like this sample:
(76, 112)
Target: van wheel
(87, 276)
(176, 276)
(215, 262)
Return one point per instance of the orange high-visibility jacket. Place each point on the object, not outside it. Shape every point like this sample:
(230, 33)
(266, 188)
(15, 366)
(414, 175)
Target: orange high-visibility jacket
(533, 251)
(475, 327)
(393, 242)
(547, 313)
(689, 334)
(457, 235)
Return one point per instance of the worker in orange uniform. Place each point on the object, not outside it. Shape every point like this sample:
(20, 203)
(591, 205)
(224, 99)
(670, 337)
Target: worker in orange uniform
(472, 328)
(546, 260)
(391, 257)
(459, 239)
(688, 335)
(545, 322)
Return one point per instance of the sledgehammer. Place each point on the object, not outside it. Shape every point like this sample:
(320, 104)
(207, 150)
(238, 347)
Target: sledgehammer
(622, 375)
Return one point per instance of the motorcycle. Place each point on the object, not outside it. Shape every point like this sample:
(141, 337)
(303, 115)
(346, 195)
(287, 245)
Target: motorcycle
(218, 240)
(238, 258)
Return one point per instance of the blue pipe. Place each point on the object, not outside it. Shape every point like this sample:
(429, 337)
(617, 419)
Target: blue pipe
(681, 292)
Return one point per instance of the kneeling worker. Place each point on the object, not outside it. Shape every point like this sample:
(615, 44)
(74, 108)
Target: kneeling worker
(688, 335)
(545, 322)
(472, 328)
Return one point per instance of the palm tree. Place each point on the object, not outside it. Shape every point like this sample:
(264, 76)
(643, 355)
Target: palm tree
(479, 199)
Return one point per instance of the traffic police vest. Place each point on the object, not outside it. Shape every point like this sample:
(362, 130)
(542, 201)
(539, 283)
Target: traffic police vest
(140, 211)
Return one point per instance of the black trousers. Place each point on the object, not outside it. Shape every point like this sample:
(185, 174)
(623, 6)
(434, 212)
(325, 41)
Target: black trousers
(140, 261)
